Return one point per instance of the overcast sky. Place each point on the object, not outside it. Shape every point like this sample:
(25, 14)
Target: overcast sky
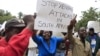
(29, 6)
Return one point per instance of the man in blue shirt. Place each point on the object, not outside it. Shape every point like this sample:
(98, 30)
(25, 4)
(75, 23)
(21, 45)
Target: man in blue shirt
(94, 41)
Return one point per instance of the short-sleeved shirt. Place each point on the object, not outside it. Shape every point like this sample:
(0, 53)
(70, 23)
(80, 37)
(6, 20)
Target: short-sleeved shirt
(80, 50)
(44, 49)
(17, 44)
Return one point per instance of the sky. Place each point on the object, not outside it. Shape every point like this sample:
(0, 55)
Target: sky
(29, 6)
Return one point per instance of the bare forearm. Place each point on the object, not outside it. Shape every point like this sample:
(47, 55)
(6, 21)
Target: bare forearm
(70, 29)
(70, 36)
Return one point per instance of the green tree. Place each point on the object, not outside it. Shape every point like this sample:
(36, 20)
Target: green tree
(91, 14)
(1, 12)
(20, 14)
(5, 15)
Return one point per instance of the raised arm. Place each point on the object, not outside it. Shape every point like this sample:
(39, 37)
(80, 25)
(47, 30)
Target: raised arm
(19, 42)
(69, 35)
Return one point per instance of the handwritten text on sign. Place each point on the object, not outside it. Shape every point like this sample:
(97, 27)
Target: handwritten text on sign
(53, 15)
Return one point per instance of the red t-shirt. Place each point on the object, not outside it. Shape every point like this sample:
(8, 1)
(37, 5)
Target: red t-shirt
(16, 45)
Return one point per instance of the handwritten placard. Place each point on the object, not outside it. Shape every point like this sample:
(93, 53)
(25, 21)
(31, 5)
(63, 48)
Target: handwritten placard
(53, 15)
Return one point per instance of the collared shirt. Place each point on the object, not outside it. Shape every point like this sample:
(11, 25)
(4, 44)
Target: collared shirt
(44, 49)
(17, 44)
(79, 49)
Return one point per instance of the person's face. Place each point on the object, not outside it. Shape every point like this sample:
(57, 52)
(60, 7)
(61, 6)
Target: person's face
(82, 32)
(91, 32)
(46, 35)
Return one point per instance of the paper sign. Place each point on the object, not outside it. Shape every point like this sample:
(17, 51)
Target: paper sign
(95, 25)
(53, 15)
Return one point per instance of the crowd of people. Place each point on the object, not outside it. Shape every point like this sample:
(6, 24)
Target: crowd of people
(14, 40)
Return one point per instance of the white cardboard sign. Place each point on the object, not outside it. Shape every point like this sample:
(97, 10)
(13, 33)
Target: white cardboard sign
(53, 15)
(95, 25)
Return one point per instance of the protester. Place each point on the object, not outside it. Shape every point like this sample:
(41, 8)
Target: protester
(67, 43)
(47, 44)
(60, 51)
(17, 36)
(80, 47)
(94, 41)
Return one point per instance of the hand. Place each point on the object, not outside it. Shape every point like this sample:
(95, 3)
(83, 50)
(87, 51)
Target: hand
(35, 14)
(29, 19)
(72, 23)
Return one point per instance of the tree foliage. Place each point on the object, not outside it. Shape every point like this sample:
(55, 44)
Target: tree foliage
(91, 14)
(20, 14)
(5, 15)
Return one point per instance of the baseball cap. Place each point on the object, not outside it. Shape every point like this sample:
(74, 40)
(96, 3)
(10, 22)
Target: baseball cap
(15, 23)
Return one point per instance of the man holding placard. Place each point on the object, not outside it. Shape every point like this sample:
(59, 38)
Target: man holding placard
(56, 17)
(47, 44)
